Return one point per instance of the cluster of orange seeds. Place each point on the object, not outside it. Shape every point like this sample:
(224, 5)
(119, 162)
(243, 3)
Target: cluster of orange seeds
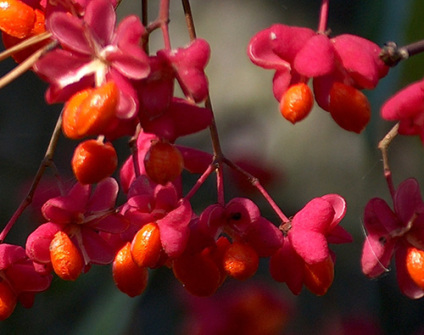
(200, 273)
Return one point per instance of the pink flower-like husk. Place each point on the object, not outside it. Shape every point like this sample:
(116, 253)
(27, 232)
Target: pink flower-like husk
(174, 122)
(38, 242)
(189, 64)
(277, 46)
(174, 229)
(242, 220)
(360, 58)
(376, 256)
(82, 216)
(407, 107)
(315, 225)
(286, 266)
(405, 104)
(20, 274)
(66, 209)
(96, 249)
(71, 70)
(316, 58)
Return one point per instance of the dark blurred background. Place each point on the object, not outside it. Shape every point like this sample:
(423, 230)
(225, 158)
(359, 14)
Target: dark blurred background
(310, 159)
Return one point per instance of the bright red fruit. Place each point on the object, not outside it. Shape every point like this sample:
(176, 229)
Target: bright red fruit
(349, 107)
(128, 276)
(93, 161)
(297, 102)
(163, 162)
(66, 259)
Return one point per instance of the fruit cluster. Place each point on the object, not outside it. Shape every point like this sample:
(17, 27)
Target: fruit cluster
(112, 87)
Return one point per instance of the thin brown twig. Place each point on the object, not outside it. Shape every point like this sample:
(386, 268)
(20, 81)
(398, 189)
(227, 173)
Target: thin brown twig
(46, 162)
(25, 44)
(383, 146)
(25, 65)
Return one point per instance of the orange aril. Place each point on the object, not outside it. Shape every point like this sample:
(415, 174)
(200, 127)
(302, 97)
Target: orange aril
(93, 161)
(146, 247)
(66, 258)
(415, 265)
(128, 276)
(297, 102)
(318, 277)
(16, 18)
(240, 261)
(349, 107)
(163, 162)
(90, 111)
(8, 301)
(38, 28)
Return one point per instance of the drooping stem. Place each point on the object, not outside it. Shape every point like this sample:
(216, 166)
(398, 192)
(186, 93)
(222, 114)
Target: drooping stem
(256, 183)
(383, 145)
(164, 21)
(25, 44)
(211, 168)
(213, 130)
(323, 16)
(134, 151)
(25, 65)
(391, 54)
(46, 162)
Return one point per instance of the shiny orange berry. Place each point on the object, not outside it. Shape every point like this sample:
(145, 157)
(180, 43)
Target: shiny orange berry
(16, 18)
(349, 107)
(415, 265)
(66, 258)
(318, 277)
(163, 162)
(198, 273)
(93, 161)
(8, 301)
(128, 276)
(297, 102)
(146, 247)
(90, 111)
(38, 28)
(240, 261)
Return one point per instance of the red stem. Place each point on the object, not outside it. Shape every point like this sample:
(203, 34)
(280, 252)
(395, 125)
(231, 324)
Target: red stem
(200, 181)
(256, 183)
(164, 21)
(323, 17)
